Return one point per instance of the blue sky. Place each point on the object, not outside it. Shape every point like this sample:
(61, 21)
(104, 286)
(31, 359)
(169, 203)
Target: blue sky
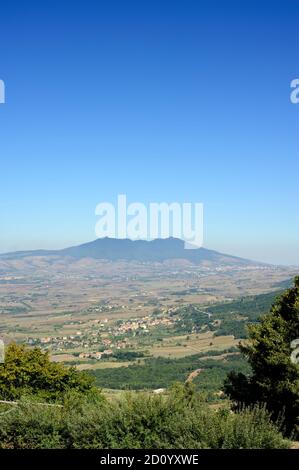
(182, 101)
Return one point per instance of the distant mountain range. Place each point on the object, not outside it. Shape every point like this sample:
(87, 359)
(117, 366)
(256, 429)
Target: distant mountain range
(113, 249)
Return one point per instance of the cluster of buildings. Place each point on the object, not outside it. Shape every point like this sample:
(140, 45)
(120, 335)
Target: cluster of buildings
(79, 340)
(144, 324)
(96, 355)
(103, 337)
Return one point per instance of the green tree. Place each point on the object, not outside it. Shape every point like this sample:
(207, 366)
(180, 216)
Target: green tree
(30, 371)
(275, 377)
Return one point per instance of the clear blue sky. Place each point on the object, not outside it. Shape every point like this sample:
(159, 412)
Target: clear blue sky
(162, 100)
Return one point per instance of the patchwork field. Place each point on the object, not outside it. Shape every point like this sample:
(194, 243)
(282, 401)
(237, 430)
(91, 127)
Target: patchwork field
(110, 316)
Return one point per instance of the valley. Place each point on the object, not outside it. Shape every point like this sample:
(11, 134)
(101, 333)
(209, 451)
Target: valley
(102, 314)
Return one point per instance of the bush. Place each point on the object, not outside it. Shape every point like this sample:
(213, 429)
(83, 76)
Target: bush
(179, 419)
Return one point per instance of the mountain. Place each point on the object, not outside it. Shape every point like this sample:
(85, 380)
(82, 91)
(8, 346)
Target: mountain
(114, 249)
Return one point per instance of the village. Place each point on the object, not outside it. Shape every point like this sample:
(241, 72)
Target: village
(104, 337)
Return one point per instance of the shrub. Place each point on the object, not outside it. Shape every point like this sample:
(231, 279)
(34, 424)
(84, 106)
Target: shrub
(178, 419)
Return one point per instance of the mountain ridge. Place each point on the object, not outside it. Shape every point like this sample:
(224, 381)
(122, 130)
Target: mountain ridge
(114, 249)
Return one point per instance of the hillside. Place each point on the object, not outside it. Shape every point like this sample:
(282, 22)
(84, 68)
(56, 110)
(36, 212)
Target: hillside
(113, 249)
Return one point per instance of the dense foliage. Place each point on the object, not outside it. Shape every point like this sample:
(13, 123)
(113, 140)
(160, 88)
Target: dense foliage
(162, 372)
(30, 371)
(138, 420)
(251, 307)
(275, 378)
(192, 319)
(237, 328)
(235, 316)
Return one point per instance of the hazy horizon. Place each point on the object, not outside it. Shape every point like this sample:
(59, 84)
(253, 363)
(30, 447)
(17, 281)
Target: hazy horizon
(77, 243)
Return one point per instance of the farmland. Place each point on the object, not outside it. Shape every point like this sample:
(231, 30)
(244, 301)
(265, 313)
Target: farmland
(109, 317)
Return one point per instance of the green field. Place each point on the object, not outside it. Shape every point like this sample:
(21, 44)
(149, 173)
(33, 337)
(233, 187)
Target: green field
(161, 372)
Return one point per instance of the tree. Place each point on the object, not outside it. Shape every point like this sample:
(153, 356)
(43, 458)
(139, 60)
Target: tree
(30, 371)
(275, 376)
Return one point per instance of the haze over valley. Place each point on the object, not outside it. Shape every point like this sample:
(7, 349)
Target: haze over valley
(110, 309)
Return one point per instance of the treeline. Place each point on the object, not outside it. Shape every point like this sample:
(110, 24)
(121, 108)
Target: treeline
(235, 316)
(123, 355)
(231, 326)
(162, 372)
(251, 307)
